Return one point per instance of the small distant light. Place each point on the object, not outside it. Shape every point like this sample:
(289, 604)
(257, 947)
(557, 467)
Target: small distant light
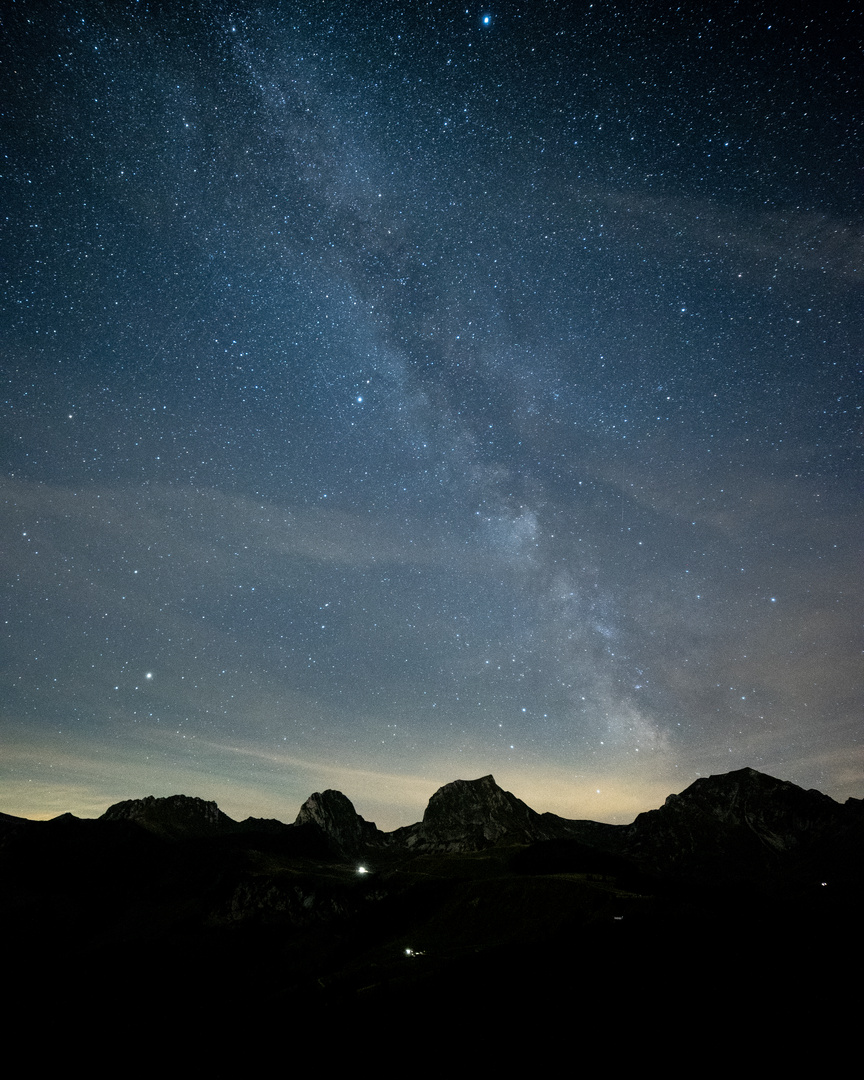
(409, 952)
(149, 675)
(362, 870)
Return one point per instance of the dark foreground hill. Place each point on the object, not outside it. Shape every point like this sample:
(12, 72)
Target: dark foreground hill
(483, 909)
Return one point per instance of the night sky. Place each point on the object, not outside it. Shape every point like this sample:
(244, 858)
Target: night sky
(401, 393)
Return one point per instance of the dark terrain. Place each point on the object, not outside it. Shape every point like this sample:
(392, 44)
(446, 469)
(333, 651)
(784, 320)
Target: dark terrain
(742, 893)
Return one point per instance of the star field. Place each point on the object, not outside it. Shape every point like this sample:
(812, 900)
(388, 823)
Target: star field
(397, 393)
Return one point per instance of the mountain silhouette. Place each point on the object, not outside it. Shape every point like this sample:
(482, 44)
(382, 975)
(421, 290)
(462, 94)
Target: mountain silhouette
(741, 823)
(169, 897)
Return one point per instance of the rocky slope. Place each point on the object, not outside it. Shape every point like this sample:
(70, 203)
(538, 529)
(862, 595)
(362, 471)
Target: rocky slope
(176, 816)
(742, 817)
(350, 835)
(470, 815)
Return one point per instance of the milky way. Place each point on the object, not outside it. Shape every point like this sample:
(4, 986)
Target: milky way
(396, 394)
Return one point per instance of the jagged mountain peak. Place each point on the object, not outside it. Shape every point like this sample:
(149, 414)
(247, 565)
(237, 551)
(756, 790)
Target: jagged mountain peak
(174, 815)
(738, 822)
(480, 792)
(468, 815)
(334, 814)
(735, 796)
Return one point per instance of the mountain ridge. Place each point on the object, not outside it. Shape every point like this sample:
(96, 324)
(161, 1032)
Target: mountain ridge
(743, 818)
(742, 825)
(331, 913)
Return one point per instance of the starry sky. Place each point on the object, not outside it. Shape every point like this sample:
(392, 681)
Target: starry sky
(396, 393)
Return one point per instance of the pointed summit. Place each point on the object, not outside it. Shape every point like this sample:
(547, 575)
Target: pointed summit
(780, 813)
(469, 815)
(333, 813)
(738, 823)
